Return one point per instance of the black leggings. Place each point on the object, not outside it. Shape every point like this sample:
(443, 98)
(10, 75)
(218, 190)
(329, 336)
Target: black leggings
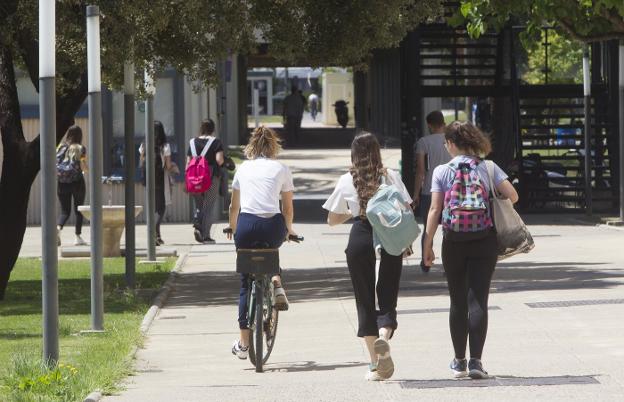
(361, 262)
(160, 208)
(469, 266)
(65, 192)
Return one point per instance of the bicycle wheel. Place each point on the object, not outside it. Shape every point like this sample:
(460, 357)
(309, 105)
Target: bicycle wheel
(271, 316)
(269, 326)
(256, 324)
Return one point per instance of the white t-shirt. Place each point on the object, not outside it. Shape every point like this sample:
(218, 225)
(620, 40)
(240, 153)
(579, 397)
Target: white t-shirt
(344, 200)
(261, 182)
(165, 151)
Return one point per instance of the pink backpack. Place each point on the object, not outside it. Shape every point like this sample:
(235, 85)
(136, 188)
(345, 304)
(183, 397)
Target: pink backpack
(198, 172)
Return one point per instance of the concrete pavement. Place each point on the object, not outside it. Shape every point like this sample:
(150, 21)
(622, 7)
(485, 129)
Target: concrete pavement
(574, 352)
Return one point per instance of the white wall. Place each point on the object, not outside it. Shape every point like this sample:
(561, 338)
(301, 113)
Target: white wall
(336, 86)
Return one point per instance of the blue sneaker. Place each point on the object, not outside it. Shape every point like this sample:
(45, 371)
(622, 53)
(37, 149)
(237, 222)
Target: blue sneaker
(476, 371)
(458, 367)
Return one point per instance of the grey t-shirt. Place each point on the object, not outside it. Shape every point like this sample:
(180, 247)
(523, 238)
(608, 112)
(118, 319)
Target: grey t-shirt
(444, 175)
(432, 146)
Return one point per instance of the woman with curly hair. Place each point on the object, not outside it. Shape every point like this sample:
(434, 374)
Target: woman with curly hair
(469, 248)
(349, 200)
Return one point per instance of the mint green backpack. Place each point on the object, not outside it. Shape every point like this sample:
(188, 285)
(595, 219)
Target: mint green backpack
(393, 222)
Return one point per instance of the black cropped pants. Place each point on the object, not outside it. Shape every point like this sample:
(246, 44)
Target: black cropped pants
(361, 262)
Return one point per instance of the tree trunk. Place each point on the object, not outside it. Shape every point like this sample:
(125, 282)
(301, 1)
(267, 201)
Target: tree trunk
(21, 159)
(19, 168)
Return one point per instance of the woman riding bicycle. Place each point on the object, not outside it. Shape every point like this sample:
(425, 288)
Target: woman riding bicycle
(258, 185)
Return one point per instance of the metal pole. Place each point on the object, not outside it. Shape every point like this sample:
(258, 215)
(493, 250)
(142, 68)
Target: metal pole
(621, 119)
(47, 113)
(587, 136)
(129, 173)
(150, 179)
(256, 106)
(95, 167)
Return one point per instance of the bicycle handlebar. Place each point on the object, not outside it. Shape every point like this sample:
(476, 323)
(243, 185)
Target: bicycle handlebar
(296, 239)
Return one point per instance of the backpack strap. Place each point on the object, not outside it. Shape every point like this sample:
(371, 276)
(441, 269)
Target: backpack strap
(207, 147)
(193, 149)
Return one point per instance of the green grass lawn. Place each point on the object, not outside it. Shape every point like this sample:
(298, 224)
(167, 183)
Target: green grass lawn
(87, 362)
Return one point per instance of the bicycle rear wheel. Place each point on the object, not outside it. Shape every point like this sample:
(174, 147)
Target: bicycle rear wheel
(268, 324)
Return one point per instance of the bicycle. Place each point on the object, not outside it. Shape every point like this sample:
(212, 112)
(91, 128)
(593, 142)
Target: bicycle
(261, 263)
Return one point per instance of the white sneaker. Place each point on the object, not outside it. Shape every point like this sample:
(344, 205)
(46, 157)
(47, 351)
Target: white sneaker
(280, 301)
(79, 241)
(385, 365)
(372, 374)
(239, 351)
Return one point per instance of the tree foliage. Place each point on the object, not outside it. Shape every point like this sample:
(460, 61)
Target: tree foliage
(564, 60)
(582, 20)
(339, 33)
(193, 35)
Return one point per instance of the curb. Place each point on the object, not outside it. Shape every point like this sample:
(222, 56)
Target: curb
(157, 304)
(93, 397)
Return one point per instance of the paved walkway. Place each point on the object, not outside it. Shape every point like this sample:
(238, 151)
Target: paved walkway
(578, 350)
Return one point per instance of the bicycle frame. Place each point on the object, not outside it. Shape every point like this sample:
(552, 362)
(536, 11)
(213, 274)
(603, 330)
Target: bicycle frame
(261, 265)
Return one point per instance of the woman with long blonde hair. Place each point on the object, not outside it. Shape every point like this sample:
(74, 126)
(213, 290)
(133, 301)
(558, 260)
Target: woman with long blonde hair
(349, 200)
(255, 215)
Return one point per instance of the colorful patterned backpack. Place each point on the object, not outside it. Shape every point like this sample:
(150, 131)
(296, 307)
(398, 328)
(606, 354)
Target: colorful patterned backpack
(466, 214)
(67, 169)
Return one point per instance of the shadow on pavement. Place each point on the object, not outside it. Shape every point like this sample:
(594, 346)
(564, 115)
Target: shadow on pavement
(314, 284)
(291, 367)
(499, 381)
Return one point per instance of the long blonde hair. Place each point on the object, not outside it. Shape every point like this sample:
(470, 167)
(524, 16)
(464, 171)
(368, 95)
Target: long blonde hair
(263, 142)
(366, 167)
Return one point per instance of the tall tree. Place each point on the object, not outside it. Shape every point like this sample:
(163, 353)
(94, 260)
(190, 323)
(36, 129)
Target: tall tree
(190, 35)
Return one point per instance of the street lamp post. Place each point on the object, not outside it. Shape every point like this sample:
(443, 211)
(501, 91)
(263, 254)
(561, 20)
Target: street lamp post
(621, 119)
(150, 161)
(47, 113)
(129, 172)
(95, 166)
(587, 136)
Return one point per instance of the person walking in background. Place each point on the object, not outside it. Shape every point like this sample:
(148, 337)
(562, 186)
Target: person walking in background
(71, 163)
(205, 202)
(459, 191)
(430, 153)
(255, 215)
(313, 101)
(164, 168)
(292, 115)
(349, 200)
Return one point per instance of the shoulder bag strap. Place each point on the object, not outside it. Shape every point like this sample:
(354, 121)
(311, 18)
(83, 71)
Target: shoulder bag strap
(490, 170)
